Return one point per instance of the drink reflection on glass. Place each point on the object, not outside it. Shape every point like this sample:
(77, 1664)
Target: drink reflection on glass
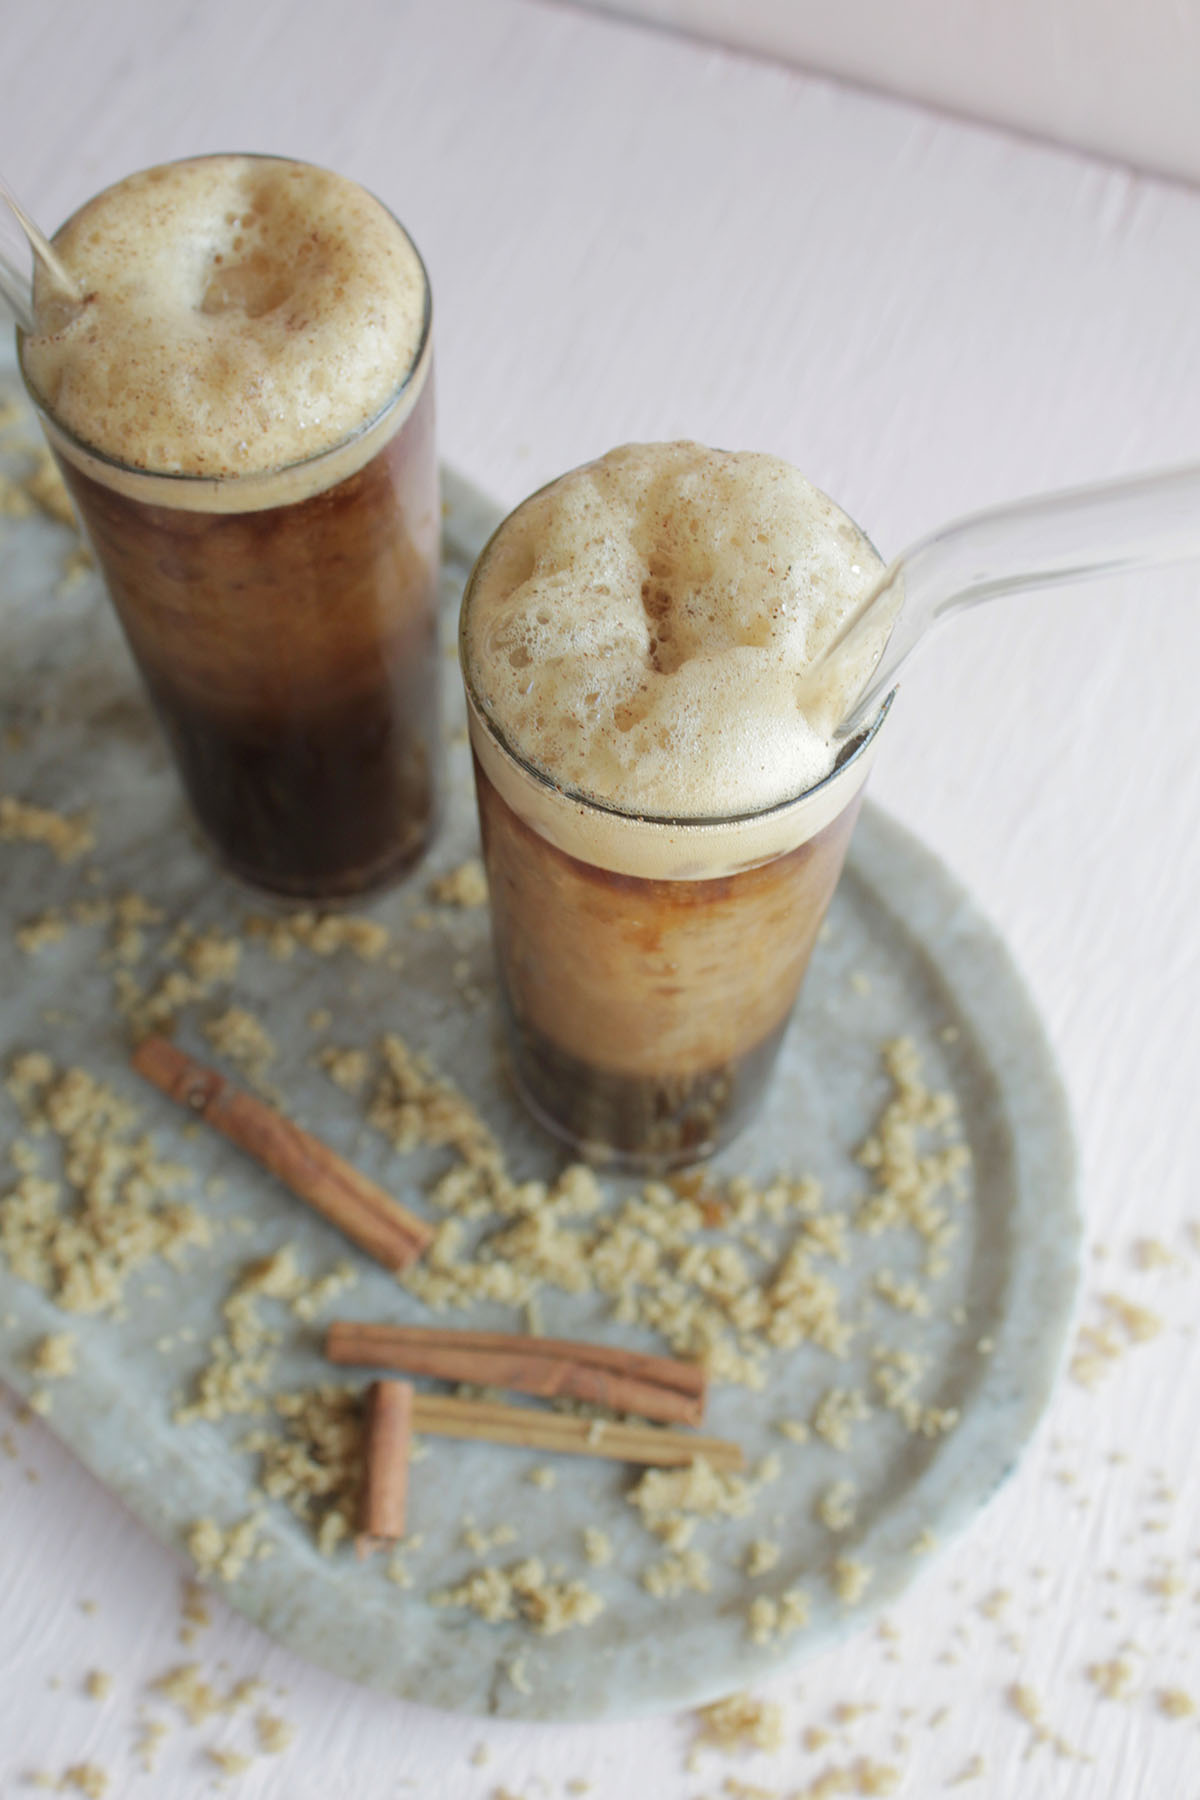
(663, 826)
(242, 407)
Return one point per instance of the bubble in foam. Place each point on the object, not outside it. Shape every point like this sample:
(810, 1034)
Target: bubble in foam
(241, 314)
(638, 630)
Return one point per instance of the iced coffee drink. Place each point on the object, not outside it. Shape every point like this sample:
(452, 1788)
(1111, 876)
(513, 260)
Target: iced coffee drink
(663, 821)
(242, 407)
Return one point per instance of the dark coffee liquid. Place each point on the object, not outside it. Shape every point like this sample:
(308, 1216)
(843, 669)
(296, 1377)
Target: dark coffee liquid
(644, 1016)
(292, 658)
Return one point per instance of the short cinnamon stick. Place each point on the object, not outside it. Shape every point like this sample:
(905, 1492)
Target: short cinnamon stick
(365, 1212)
(654, 1387)
(529, 1428)
(385, 1463)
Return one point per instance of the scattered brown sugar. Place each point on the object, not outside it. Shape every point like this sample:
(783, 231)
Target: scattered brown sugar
(973, 1770)
(224, 1552)
(851, 1579)
(762, 1555)
(1115, 1679)
(1099, 1347)
(230, 1762)
(465, 886)
(98, 1684)
(597, 1546)
(315, 1466)
(53, 1357)
(1176, 1703)
(120, 1213)
(771, 1617)
(39, 933)
(741, 1722)
(324, 934)
(837, 1412)
(211, 957)
(678, 1573)
(243, 1040)
(68, 836)
(86, 1778)
(837, 1506)
(194, 1611)
(671, 1501)
(189, 1690)
(524, 1591)
(347, 1069)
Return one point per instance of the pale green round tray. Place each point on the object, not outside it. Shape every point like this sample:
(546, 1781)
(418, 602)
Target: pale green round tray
(908, 953)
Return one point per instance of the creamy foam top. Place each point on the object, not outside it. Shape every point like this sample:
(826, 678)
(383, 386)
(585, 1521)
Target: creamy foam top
(241, 313)
(638, 630)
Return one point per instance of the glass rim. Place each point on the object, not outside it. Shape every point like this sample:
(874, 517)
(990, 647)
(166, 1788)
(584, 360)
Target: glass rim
(848, 755)
(184, 479)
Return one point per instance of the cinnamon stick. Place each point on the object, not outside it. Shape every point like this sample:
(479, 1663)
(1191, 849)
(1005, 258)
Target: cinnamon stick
(385, 1471)
(315, 1173)
(654, 1387)
(529, 1428)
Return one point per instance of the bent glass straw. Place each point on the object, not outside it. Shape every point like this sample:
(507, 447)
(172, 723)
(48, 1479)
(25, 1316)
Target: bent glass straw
(14, 285)
(1052, 539)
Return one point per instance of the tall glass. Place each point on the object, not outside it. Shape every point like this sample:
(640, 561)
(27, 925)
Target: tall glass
(285, 625)
(648, 967)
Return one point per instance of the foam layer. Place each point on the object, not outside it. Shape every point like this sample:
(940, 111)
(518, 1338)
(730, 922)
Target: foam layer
(638, 630)
(241, 314)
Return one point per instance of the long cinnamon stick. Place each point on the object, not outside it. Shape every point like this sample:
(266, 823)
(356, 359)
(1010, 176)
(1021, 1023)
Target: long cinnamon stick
(654, 1387)
(365, 1212)
(529, 1428)
(385, 1466)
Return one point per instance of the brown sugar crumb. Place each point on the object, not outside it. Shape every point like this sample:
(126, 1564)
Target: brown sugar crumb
(237, 1035)
(320, 1019)
(274, 1734)
(324, 934)
(1026, 1704)
(676, 1574)
(837, 1506)
(98, 1684)
(53, 1357)
(193, 1610)
(86, 1778)
(524, 1591)
(762, 1555)
(597, 1546)
(1115, 1679)
(315, 1467)
(465, 886)
(543, 1477)
(1100, 1347)
(839, 1410)
(123, 1215)
(740, 1723)
(850, 1579)
(1175, 1703)
(905, 1296)
(224, 1553)
(68, 836)
(771, 1617)
(910, 1183)
(671, 1500)
(230, 1762)
(973, 1770)
(188, 1689)
(211, 957)
(347, 1069)
(37, 934)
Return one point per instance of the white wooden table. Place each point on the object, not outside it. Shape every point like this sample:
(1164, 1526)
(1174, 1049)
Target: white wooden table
(632, 236)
